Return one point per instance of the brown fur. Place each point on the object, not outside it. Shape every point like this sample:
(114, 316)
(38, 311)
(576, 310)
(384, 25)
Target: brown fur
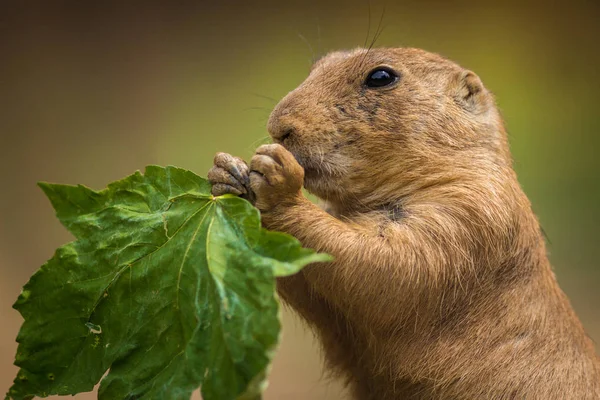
(441, 287)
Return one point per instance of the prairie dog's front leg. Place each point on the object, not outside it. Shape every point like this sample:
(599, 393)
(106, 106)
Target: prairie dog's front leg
(231, 175)
(276, 178)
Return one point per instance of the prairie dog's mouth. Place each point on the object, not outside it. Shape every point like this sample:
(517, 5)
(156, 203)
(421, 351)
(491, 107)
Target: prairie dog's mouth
(310, 167)
(316, 165)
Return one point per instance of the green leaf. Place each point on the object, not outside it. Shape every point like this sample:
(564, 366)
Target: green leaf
(165, 287)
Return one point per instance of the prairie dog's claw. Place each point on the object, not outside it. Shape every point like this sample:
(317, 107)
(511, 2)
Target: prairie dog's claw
(230, 175)
(234, 165)
(220, 176)
(275, 176)
(220, 189)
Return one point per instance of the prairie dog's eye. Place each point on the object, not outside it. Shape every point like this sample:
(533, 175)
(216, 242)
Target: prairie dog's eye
(380, 77)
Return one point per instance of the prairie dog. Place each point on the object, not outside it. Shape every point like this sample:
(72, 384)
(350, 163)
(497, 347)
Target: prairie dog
(441, 287)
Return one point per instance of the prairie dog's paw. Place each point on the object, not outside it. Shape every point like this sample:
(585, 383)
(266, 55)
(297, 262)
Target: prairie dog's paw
(230, 175)
(275, 176)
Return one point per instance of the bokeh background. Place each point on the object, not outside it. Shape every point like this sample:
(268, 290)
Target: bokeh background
(92, 91)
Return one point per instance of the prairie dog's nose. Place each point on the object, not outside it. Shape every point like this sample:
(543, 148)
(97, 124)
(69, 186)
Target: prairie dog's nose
(280, 125)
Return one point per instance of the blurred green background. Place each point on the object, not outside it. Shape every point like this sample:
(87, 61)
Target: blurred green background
(90, 92)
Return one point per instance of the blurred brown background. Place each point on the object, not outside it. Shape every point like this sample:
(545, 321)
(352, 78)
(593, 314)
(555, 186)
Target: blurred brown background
(91, 91)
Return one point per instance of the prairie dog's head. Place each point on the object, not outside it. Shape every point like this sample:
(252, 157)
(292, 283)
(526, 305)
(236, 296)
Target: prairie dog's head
(368, 125)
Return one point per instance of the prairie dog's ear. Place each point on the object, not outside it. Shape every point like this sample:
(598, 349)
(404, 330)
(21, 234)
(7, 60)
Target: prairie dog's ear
(469, 92)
